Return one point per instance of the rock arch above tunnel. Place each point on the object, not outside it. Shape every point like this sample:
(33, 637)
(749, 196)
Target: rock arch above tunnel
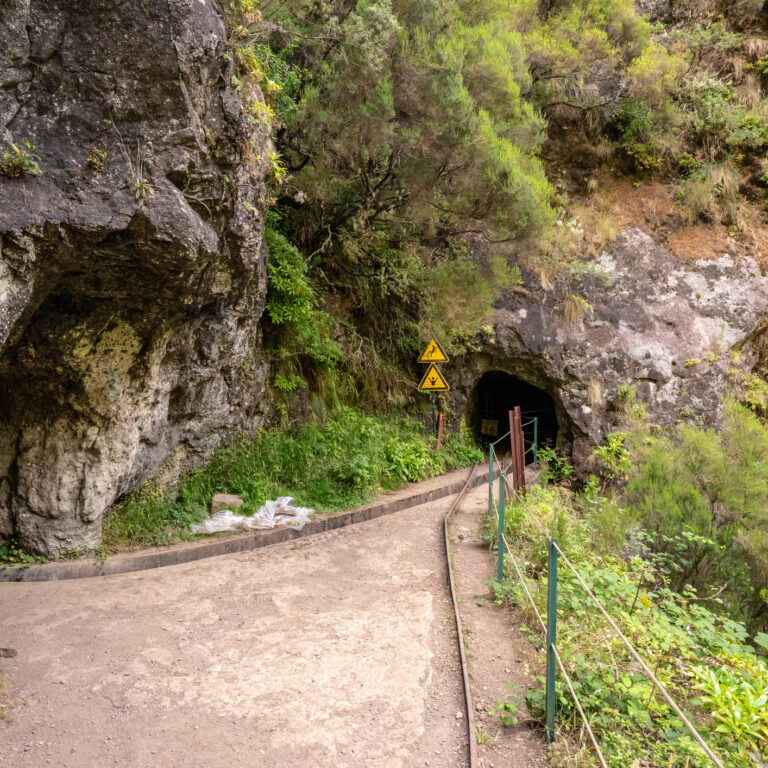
(495, 394)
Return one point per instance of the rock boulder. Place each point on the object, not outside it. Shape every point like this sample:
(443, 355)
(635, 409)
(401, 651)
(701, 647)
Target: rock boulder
(132, 282)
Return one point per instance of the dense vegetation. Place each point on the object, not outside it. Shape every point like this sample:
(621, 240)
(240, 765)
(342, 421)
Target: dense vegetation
(671, 535)
(706, 660)
(411, 135)
(713, 489)
(336, 465)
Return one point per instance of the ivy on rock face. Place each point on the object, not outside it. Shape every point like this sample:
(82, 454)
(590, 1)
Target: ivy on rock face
(300, 335)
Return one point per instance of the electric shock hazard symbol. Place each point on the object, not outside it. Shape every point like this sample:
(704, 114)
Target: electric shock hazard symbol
(433, 381)
(434, 353)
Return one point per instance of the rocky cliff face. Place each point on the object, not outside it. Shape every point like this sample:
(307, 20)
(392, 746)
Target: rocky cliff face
(675, 330)
(130, 295)
(133, 275)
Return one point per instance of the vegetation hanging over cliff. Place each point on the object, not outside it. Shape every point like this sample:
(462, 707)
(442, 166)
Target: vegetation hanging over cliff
(413, 138)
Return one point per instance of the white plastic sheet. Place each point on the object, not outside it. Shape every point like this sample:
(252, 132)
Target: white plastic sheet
(278, 512)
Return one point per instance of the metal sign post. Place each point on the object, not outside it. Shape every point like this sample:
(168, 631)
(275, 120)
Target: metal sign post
(433, 380)
(551, 640)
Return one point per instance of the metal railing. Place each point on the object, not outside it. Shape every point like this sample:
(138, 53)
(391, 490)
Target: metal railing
(534, 449)
(549, 627)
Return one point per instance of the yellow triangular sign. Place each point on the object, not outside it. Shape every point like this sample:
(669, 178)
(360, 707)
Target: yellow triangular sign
(433, 381)
(434, 353)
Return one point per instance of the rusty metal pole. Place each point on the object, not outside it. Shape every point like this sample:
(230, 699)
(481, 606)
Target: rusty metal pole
(513, 449)
(520, 448)
(517, 445)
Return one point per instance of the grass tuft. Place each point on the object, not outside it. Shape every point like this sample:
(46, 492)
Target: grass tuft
(340, 464)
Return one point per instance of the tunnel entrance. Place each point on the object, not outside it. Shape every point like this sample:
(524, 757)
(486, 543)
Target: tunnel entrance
(495, 395)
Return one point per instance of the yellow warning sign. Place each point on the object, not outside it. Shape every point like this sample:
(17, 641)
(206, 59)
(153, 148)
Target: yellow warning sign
(433, 381)
(434, 353)
(489, 427)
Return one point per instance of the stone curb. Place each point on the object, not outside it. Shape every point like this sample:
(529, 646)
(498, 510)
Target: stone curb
(227, 545)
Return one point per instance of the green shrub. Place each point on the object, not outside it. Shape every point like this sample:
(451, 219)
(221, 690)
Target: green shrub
(11, 553)
(21, 159)
(613, 458)
(736, 697)
(410, 461)
(704, 498)
(300, 342)
(334, 465)
(554, 467)
(688, 164)
(702, 658)
(459, 283)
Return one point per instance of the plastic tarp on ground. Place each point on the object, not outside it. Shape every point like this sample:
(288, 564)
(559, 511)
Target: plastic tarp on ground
(273, 513)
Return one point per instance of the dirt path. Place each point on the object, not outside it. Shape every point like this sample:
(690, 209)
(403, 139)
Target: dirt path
(335, 650)
(497, 651)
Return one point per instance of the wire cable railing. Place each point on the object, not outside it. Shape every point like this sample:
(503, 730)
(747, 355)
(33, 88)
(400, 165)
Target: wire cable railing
(553, 657)
(563, 671)
(579, 707)
(636, 656)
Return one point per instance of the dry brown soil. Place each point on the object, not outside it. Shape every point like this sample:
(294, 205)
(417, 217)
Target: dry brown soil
(334, 650)
(496, 649)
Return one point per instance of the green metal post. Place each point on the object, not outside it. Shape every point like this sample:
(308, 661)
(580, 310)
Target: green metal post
(551, 639)
(490, 481)
(536, 440)
(434, 413)
(501, 527)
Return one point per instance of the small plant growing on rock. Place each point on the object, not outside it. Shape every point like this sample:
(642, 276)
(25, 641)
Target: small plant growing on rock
(96, 160)
(262, 113)
(277, 169)
(613, 458)
(575, 308)
(11, 553)
(20, 160)
(140, 187)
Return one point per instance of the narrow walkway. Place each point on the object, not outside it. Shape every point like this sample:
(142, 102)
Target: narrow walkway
(497, 650)
(335, 650)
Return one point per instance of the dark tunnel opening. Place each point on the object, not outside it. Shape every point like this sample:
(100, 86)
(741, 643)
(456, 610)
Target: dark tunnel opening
(495, 395)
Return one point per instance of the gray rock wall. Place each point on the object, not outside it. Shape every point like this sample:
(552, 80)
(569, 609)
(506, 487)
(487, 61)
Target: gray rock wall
(677, 331)
(130, 298)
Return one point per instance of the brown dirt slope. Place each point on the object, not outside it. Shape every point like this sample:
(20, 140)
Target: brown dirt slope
(497, 651)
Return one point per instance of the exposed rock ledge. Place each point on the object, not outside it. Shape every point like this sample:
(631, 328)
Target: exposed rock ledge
(673, 329)
(129, 310)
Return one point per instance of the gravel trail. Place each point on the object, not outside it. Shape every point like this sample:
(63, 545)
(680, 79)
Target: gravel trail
(335, 650)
